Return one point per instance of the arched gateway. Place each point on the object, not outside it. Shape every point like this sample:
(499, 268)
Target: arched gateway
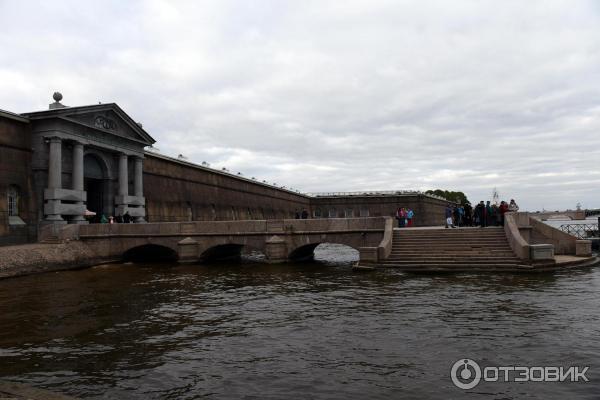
(90, 151)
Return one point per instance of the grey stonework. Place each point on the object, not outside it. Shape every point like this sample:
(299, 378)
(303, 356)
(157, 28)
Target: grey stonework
(69, 159)
(63, 137)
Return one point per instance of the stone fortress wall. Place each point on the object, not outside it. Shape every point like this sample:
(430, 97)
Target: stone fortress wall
(178, 191)
(174, 190)
(15, 174)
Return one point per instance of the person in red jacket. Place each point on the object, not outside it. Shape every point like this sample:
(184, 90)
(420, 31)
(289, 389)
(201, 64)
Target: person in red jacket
(503, 209)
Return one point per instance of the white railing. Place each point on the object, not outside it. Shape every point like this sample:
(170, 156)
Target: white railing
(374, 193)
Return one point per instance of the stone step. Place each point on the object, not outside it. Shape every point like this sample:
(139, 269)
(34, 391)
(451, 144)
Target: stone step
(451, 246)
(449, 262)
(447, 245)
(420, 260)
(51, 240)
(443, 240)
(453, 239)
(452, 253)
(456, 267)
(442, 234)
(449, 231)
(451, 249)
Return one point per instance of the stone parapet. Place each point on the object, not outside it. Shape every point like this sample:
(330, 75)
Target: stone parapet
(583, 248)
(541, 252)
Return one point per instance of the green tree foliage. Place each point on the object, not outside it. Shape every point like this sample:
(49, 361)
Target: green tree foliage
(449, 195)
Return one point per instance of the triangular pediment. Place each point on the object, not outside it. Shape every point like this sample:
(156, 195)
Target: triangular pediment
(109, 118)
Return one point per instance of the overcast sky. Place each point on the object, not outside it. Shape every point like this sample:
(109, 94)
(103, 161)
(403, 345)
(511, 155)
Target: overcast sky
(335, 96)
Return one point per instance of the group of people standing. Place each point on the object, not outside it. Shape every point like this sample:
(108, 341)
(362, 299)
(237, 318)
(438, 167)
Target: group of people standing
(405, 217)
(119, 219)
(482, 215)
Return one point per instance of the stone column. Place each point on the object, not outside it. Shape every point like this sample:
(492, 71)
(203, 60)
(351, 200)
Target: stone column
(78, 177)
(123, 184)
(138, 185)
(55, 164)
(54, 179)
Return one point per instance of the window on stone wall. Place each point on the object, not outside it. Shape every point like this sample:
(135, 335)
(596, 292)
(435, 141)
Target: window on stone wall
(349, 213)
(13, 201)
(317, 213)
(364, 212)
(332, 213)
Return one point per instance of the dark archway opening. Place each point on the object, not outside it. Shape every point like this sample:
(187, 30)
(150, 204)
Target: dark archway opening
(94, 185)
(95, 195)
(224, 252)
(303, 253)
(327, 253)
(150, 253)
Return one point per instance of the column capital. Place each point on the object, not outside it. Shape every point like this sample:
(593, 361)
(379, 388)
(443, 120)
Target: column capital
(54, 139)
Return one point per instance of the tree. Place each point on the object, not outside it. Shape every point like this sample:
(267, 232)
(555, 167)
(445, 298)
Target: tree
(458, 197)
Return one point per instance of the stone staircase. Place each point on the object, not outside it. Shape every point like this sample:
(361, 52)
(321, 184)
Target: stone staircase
(462, 249)
(53, 239)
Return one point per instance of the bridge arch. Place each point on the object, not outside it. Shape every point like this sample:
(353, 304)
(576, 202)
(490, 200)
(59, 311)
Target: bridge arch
(150, 253)
(307, 251)
(221, 252)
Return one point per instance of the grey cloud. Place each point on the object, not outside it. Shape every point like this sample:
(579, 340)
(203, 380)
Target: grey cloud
(323, 95)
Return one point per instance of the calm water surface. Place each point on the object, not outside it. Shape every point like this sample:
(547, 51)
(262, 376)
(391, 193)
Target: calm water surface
(299, 331)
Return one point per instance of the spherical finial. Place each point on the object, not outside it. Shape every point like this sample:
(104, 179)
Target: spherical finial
(57, 97)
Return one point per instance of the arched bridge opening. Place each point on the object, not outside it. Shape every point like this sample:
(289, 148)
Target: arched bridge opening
(325, 252)
(223, 252)
(303, 253)
(150, 253)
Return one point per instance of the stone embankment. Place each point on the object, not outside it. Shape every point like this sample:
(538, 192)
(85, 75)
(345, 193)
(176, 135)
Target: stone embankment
(44, 257)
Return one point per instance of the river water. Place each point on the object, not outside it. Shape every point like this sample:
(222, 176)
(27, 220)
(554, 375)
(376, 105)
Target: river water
(296, 331)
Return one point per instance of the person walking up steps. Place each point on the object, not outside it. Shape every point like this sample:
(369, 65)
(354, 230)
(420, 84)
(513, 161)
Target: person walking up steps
(449, 222)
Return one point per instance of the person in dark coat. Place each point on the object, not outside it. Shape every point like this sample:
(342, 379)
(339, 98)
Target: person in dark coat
(468, 214)
(456, 214)
(489, 214)
(127, 217)
(480, 214)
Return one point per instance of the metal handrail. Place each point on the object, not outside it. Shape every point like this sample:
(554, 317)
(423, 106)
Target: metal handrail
(581, 231)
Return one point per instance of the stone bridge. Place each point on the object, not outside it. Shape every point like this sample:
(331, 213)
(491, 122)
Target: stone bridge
(568, 214)
(280, 240)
